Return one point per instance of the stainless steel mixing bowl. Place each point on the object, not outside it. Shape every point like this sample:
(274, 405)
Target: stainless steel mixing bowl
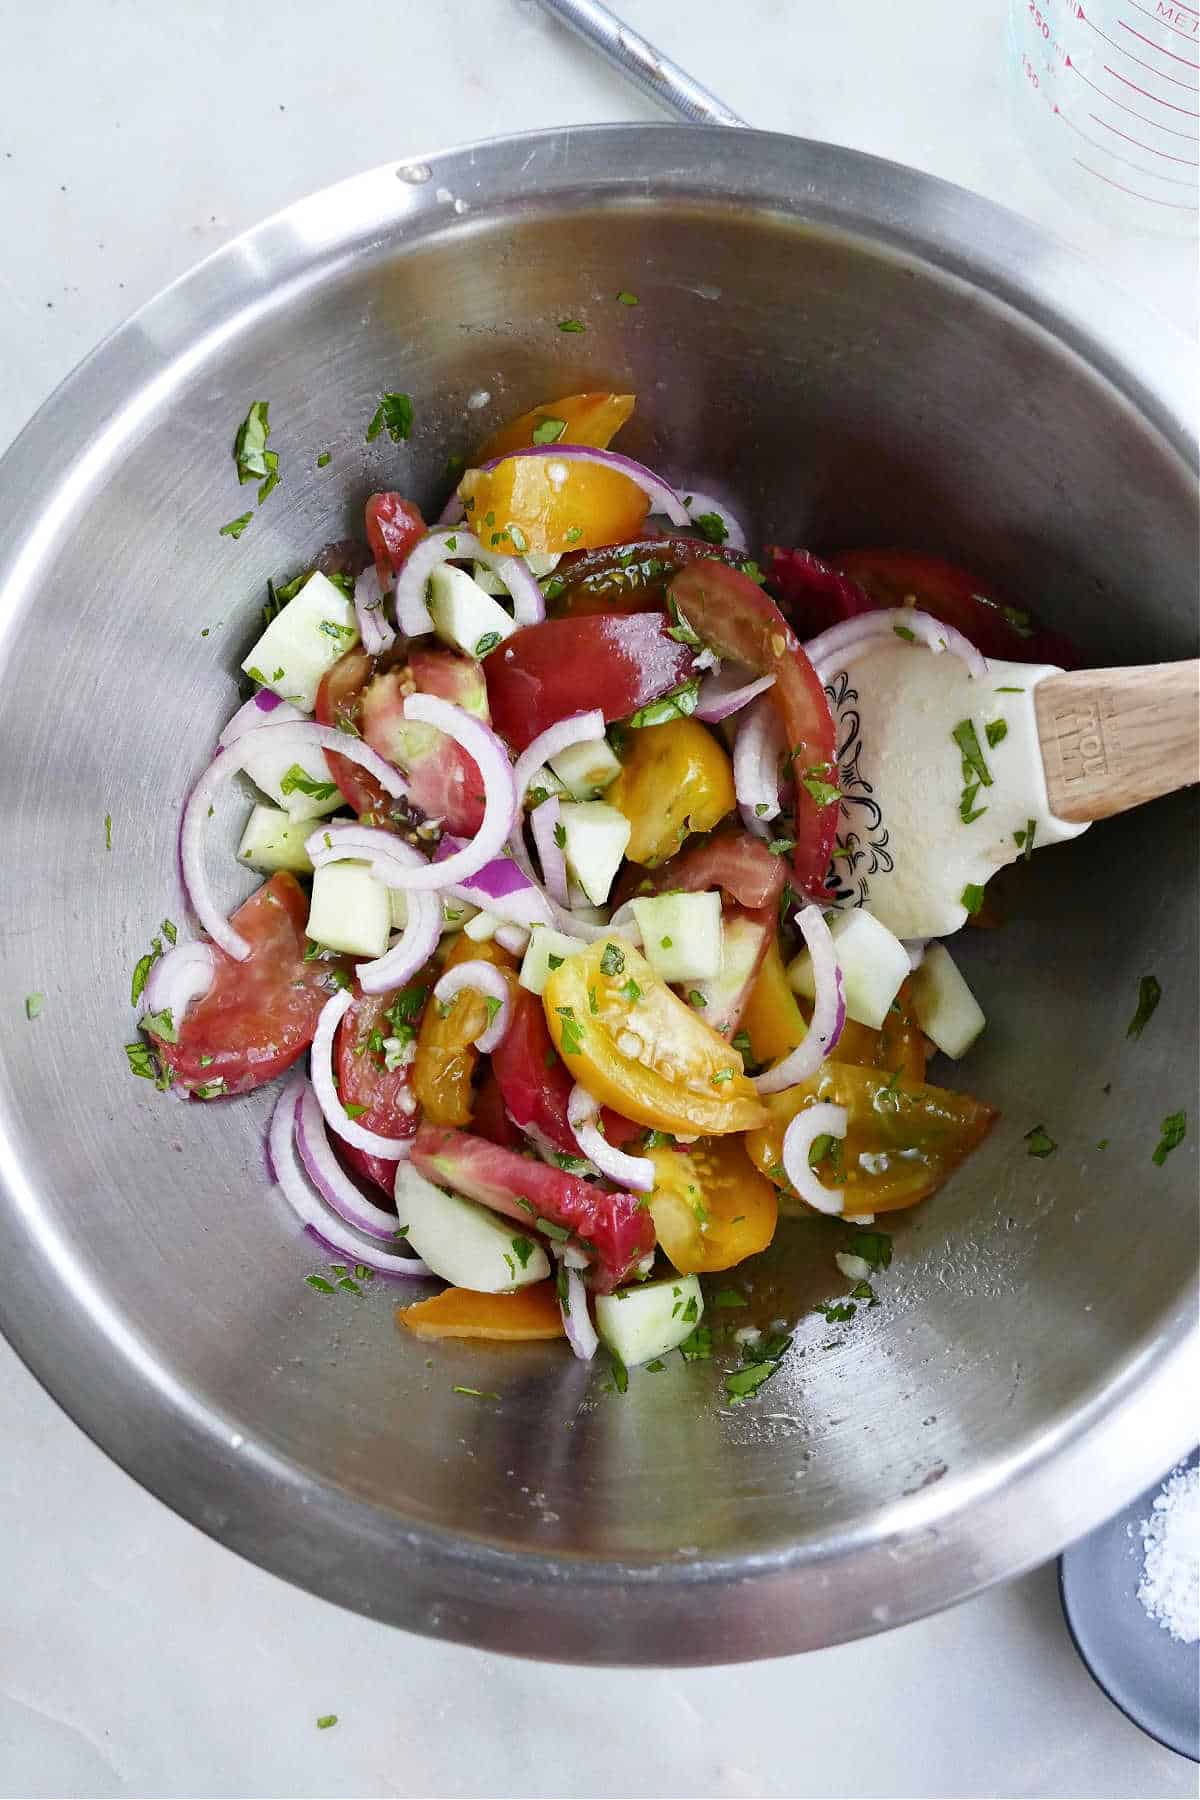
(862, 354)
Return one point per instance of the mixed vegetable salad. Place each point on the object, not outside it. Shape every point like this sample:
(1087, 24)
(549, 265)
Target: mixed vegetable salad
(546, 806)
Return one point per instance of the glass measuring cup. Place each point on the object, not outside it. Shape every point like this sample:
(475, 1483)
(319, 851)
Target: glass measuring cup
(1107, 94)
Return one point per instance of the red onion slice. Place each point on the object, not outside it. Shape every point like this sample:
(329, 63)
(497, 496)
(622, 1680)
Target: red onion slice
(223, 767)
(580, 728)
(567, 922)
(499, 790)
(662, 497)
(411, 951)
(835, 648)
(698, 503)
(373, 628)
(829, 1009)
(389, 856)
(577, 1320)
(501, 887)
(315, 1217)
(544, 823)
(184, 974)
(727, 693)
(331, 1180)
(635, 1172)
(457, 544)
(336, 1117)
(488, 980)
(756, 754)
(821, 1120)
(265, 708)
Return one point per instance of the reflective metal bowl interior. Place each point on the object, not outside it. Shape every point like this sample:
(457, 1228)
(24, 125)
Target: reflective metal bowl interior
(861, 355)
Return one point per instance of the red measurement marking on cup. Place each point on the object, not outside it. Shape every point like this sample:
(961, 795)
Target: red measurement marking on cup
(1185, 60)
(1163, 22)
(1125, 161)
(1187, 111)
(1170, 130)
(1175, 80)
(1175, 205)
(1165, 154)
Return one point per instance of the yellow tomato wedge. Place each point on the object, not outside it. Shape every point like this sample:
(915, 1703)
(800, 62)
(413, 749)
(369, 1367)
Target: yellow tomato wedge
(636, 1047)
(675, 779)
(547, 505)
(903, 1137)
(532, 1312)
(898, 1044)
(446, 1057)
(772, 1020)
(711, 1208)
(593, 419)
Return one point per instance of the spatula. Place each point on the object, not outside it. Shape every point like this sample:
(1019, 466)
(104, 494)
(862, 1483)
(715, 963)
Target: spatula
(945, 776)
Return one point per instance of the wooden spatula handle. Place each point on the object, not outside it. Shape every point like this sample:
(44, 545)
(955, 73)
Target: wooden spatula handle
(1113, 738)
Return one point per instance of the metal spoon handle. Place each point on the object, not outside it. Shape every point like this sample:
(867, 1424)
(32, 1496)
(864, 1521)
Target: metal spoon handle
(645, 66)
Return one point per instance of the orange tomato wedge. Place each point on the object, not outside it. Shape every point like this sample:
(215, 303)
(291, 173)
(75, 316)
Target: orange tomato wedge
(529, 1314)
(446, 1058)
(546, 505)
(772, 1020)
(711, 1208)
(593, 419)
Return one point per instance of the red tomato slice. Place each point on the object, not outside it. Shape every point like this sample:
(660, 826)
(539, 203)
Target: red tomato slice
(616, 1226)
(630, 577)
(363, 1080)
(812, 595)
(740, 865)
(259, 1015)
(535, 1084)
(490, 1120)
(394, 525)
(546, 672)
(443, 780)
(339, 703)
(730, 612)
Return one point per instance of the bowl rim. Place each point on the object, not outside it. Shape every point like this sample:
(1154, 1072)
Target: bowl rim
(929, 1550)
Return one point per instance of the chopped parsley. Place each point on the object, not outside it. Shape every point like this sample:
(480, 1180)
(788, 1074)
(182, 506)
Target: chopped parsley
(1149, 995)
(902, 631)
(522, 1249)
(560, 835)
(968, 812)
(681, 630)
(680, 703)
(1023, 837)
(572, 325)
(836, 1312)
(272, 479)
(341, 634)
(475, 1393)
(696, 998)
(741, 1041)
(323, 1287)
(971, 897)
(235, 527)
(729, 1297)
(572, 1031)
(487, 642)
(1040, 1142)
(974, 766)
(209, 1090)
(299, 781)
(874, 1247)
(33, 1005)
(723, 1075)
(626, 298)
(620, 1373)
(711, 526)
(108, 831)
(142, 970)
(394, 414)
(996, 730)
(823, 792)
(781, 846)
(761, 1361)
(326, 1720)
(1173, 1131)
(631, 992)
(697, 1347)
(572, 1165)
(612, 960)
(552, 961)
(250, 451)
(158, 1024)
(549, 431)
(168, 930)
(656, 1140)
(325, 458)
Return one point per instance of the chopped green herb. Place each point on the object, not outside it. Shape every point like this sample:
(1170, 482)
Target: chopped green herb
(142, 970)
(552, 961)
(741, 1041)
(322, 1286)
(657, 1140)
(680, 703)
(1020, 621)
(691, 1311)
(272, 480)
(631, 991)
(353, 1110)
(341, 634)
(1040, 1142)
(968, 812)
(158, 1024)
(682, 630)
(620, 1373)
(168, 930)
(711, 526)
(781, 846)
(487, 642)
(142, 1061)
(298, 781)
(698, 1346)
(1010, 690)
(572, 1031)
(626, 298)
(902, 631)
(235, 527)
(729, 1297)
(1102, 1144)
(475, 1393)
(394, 414)
(560, 836)
(823, 792)
(549, 431)
(522, 1248)
(33, 1005)
(995, 730)
(574, 1165)
(593, 999)
(965, 737)
(1024, 837)
(1149, 995)
(108, 831)
(454, 467)
(209, 1090)
(250, 445)
(493, 1005)
(207, 1061)
(723, 1075)
(696, 998)
(612, 960)
(971, 897)
(572, 325)
(326, 1720)
(656, 1367)
(1174, 1130)
(874, 1247)
(862, 1290)
(325, 458)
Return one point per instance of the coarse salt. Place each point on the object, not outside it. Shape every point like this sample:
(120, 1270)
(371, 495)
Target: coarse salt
(1170, 1585)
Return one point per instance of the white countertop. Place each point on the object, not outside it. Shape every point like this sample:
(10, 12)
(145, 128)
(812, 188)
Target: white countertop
(136, 1657)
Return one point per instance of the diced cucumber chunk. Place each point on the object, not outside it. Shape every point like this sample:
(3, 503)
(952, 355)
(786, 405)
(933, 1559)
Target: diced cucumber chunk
(463, 1242)
(349, 910)
(463, 615)
(640, 1323)
(303, 642)
(874, 963)
(595, 839)
(542, 784)
(481, 927)
(300, 783)
(724, 999)
(272, 841)
(455, 913)
(539, 563)
(546, 949)
(947, 1011)
(586, 769)
(681, 934)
